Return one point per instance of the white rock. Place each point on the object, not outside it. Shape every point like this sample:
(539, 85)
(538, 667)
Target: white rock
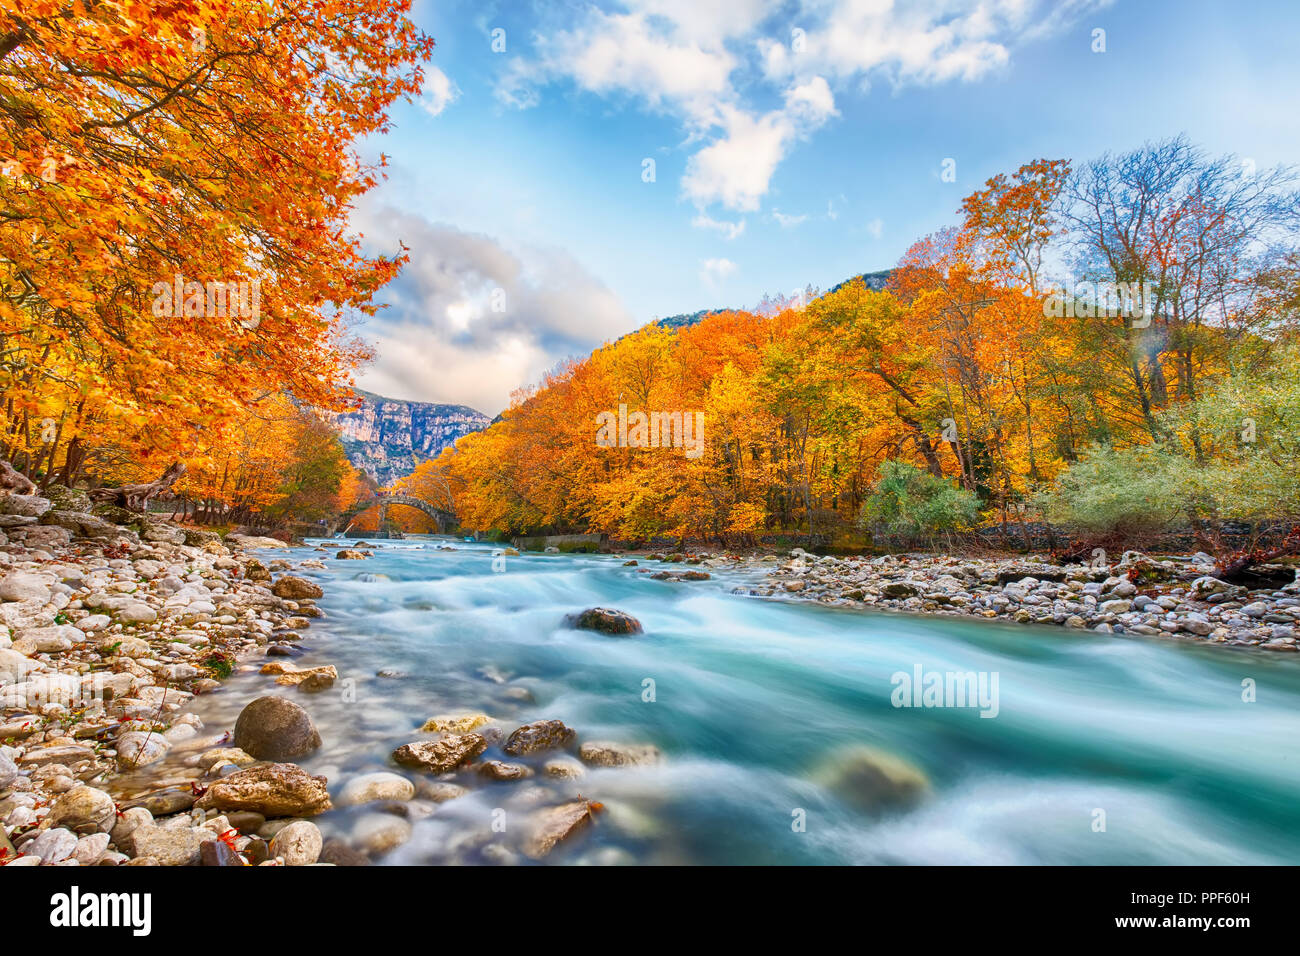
(25, 586)
(90, 848)
(53, 845)
(299, 843)
(380, 832)
(375, 786)
(138, 614)
(138, 748)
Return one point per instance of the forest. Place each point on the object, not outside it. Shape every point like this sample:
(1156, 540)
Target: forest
(207, 149)
(1107, 348)
(1104, 347)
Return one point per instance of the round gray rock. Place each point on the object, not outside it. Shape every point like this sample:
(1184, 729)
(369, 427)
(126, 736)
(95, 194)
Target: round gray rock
(275, 728)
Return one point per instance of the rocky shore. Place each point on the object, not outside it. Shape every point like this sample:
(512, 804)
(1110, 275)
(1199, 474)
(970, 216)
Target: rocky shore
(1177, 598)
(111, 622)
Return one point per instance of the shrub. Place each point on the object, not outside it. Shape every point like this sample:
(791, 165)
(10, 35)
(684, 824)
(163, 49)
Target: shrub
(1119, 494)
(910, 504)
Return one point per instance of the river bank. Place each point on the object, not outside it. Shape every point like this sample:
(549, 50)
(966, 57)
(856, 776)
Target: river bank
(117, 638)
(1137, 595)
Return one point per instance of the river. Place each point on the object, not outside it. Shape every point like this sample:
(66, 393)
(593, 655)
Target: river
(1102, 750)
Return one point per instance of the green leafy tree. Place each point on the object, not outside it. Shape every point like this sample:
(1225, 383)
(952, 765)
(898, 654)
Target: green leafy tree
(911, 505)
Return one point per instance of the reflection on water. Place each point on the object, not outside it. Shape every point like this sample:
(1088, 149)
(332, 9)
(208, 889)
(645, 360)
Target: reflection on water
(753, 701)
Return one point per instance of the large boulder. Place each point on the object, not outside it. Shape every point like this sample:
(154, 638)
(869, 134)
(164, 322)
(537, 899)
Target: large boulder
(271, 789)
(275, 728)
(606, 621)
(81, 524)
(161, 532)
(198, 537)
(63, 498)
(25, 506)
(539, 736)
(443, 755)
(25, 586)
(42, 536)
(117, 515)
(295, 588)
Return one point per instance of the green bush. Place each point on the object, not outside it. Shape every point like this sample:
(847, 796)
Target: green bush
(1125, 493)
(910, 505)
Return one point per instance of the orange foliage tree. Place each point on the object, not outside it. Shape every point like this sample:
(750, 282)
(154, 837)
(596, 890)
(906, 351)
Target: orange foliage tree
(173, 244)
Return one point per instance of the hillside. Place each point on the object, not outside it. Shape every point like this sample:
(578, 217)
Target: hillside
(873, 280)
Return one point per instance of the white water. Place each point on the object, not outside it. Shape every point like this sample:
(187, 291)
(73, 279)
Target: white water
(753, 697)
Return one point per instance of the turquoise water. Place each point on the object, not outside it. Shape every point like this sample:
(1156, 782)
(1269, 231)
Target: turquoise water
(753, 699)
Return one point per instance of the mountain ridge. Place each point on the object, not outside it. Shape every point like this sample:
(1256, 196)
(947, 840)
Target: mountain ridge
(387, 437)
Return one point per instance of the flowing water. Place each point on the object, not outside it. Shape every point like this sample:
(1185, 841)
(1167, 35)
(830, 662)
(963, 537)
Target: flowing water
(755, 701)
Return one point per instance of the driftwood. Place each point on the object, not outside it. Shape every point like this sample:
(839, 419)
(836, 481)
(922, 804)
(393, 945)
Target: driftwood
(14, 481)
(137, 497)
(1238, 567)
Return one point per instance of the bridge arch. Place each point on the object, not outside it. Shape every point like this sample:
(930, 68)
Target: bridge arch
(445, 520)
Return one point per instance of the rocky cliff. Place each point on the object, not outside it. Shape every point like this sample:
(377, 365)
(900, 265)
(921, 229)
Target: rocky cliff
(387, 437)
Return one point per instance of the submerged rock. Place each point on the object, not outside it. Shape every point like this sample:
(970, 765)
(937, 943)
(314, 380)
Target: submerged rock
(565, 767)
(340, 854)
(604, 754)
(873, 780)
(606, 621)
(375, 786)
(380, 832)
(548, 827)
(274, 728)
(446, 724)
(499, 770)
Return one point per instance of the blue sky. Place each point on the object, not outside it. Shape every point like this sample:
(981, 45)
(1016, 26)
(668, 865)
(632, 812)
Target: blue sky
(793, 143)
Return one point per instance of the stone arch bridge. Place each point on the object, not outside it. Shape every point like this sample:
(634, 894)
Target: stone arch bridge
(445, 520)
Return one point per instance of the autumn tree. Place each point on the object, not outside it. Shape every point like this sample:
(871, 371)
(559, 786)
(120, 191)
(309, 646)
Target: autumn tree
(173, 244)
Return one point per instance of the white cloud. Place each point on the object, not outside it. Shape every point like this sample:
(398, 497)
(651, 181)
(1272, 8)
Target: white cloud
(717, 68)
(714, 271)
(876, 228)
(729, 229)
(439, 91)
(469, 319)
(785, 221)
